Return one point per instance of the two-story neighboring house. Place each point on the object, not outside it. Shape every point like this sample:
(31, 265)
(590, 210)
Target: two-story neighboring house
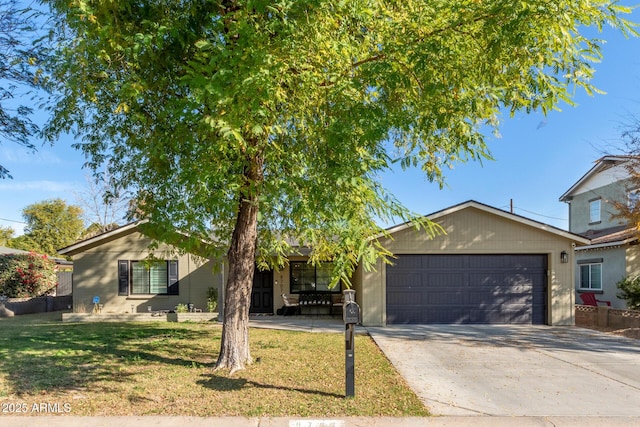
(614, 251)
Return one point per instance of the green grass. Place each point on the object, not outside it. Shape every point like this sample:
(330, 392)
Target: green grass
(166, 368)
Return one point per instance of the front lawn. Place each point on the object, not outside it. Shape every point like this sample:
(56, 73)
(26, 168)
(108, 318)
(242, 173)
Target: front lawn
(166, 369)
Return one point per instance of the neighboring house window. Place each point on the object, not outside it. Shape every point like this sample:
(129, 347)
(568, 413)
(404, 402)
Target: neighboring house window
(143, 278)
(306, 277)
(594, 210)
(591, 276)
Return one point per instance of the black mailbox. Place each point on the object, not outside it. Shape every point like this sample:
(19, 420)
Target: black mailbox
(351, 313)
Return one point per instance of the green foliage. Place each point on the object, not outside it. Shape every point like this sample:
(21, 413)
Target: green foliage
(6, 235)
(51, 225)
(28, 275)
(182, 308)
(18, 75)
(212, 299)
(298, 107)
(630, 291)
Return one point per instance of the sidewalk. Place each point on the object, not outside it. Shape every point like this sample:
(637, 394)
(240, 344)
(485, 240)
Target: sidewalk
(173, 421)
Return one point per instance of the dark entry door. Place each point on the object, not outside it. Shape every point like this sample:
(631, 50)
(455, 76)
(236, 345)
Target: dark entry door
(262, 292)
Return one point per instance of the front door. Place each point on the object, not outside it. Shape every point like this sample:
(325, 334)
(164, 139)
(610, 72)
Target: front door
(262, 292)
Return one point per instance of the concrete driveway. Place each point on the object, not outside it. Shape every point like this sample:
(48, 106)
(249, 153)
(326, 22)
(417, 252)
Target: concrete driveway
(516, 370)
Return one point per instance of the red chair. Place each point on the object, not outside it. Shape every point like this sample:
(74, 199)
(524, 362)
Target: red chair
(589, 298)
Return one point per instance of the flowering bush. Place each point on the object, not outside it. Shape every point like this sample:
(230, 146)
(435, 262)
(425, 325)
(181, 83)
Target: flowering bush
(28, 275)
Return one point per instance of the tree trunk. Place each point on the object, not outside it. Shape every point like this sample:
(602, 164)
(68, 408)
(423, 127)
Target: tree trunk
(234, 348)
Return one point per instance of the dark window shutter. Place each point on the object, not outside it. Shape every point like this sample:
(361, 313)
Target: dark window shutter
(172, 289)
(123, 277)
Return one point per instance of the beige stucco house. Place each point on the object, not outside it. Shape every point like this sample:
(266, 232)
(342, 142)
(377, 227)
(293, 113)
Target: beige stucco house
(491, 266)
(112, 267)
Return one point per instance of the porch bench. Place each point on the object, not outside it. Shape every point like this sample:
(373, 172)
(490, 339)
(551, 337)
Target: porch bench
(318, 299)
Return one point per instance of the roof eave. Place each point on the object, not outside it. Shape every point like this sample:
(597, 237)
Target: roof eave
(607, 244)
(499, 212)
(78, 246)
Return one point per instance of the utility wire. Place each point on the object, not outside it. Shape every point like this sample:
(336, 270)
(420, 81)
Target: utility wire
(535, 213)
(12, 220)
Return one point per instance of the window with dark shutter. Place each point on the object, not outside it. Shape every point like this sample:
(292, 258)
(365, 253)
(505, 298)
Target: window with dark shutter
(172, 289)
(123, 277)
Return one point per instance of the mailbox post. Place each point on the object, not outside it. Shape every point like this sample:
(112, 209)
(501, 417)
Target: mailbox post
(351, 316)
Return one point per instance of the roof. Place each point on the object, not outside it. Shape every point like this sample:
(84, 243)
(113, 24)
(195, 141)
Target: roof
(501, 213)
(611, 237)
(4, 251)
(11, 251)
(601, 164)
(110, 235)
(96, 240)
(132, 227)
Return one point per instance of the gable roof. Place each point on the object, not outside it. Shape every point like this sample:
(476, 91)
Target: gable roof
(133, 227)
(498, 212)
(100, 238)
(601, 165)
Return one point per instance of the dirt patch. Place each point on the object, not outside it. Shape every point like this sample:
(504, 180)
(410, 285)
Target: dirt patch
(628, 332)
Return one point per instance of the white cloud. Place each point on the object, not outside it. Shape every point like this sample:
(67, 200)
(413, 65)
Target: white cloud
(43, 186)
(19, 155)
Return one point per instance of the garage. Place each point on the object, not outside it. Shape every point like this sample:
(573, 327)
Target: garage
(477, 288)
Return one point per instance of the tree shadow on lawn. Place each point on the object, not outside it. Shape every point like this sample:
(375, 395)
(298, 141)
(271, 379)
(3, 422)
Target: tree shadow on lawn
(58, 357)
(221, 383)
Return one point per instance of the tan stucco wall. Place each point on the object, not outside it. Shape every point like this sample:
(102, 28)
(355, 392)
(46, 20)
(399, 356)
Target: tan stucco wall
(96, 274)
(475, 231)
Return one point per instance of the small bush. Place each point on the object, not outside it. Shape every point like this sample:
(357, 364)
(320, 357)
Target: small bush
(630, 291)
(27, 275)
(182, 308)
(212, 299)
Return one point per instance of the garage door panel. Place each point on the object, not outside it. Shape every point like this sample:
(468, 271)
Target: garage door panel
(403, 280)
(444, 280)
(405, 298)
(444, 297)
(443, 262)
(467, 289)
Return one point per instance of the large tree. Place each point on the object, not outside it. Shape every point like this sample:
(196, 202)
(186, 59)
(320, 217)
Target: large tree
(252, 124)
(18, 74)
(51, 225)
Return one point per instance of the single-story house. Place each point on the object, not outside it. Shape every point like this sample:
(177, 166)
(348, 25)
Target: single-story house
(114, 267)
(491, 266)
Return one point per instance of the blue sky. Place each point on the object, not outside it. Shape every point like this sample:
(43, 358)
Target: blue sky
(537, 158)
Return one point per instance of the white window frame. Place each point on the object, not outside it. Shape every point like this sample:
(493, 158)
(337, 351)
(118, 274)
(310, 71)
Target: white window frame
(595, 211)
(590, 280)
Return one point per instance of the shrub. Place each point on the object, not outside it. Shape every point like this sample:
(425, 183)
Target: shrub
(212, 299)
(630, 291)
(27, 275)
(182, 308)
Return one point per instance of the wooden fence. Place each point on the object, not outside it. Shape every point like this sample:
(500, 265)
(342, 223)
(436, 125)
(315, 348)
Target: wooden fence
(38, 304)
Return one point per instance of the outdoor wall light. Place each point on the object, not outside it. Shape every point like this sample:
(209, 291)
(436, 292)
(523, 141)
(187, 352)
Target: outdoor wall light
(564, 257)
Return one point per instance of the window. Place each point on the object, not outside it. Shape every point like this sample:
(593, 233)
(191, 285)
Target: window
(591, 276)
(594, 211)
(143, 278)
(306, 277)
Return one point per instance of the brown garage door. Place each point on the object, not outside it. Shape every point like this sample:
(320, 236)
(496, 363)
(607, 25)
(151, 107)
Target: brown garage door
(496, 289)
